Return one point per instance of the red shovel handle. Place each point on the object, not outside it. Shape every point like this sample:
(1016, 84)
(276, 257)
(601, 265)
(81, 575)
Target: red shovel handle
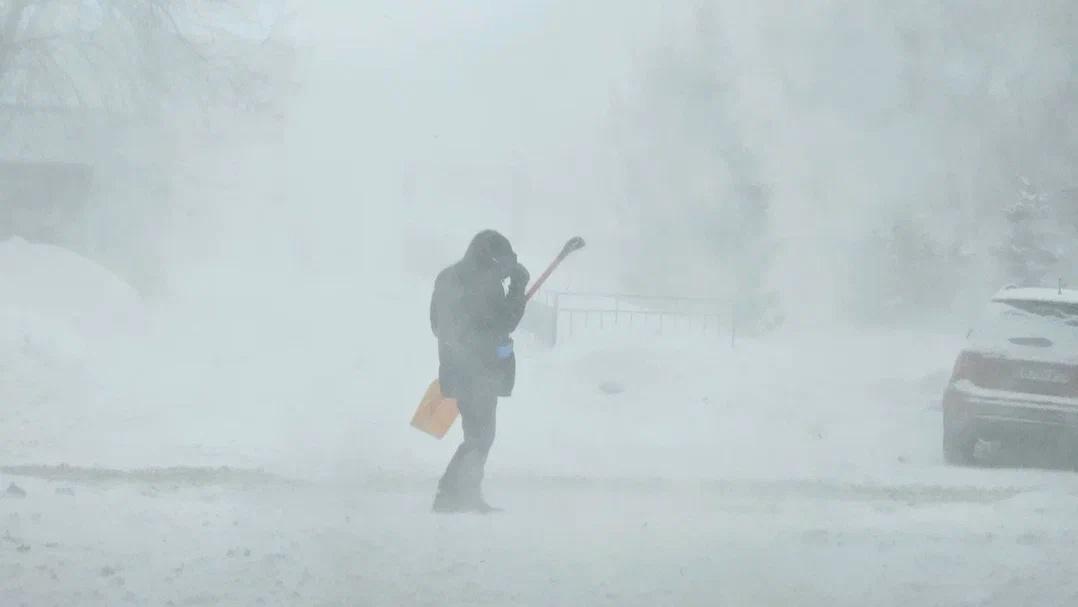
(575, 244)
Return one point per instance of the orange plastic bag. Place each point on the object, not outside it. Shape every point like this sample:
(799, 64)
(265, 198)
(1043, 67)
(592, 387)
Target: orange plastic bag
(436, 413)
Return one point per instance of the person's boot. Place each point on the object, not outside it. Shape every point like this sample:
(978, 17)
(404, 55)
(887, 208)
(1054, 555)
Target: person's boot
(479, 505)
(448, 503)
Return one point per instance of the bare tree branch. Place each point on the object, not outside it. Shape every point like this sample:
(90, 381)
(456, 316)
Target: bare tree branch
(134, 53)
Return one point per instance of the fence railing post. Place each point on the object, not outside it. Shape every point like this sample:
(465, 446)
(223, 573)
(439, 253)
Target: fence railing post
(557, 320)
(652, 315)
(733, 325)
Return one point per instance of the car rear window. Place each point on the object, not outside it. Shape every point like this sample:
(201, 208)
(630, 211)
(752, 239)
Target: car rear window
(1028, 330)
(1066, 312)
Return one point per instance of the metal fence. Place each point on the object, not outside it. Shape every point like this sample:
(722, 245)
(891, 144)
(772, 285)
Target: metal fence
(561, 316)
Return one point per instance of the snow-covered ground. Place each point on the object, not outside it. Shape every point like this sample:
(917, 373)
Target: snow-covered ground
(259, 454)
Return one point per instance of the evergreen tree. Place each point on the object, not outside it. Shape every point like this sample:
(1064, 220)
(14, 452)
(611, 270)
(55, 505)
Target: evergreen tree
(1033, 249)
(905, 274)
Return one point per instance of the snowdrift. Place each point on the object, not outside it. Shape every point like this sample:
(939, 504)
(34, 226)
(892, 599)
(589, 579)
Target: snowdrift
(44, 284)
(60, 317)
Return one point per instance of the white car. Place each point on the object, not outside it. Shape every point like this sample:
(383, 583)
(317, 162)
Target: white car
(1017, 378)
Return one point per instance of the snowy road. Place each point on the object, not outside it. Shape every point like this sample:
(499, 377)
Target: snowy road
(202, 539)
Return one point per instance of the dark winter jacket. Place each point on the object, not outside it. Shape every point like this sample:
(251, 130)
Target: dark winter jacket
(472, 314)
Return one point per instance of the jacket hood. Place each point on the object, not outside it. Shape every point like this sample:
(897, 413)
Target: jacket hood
(490, 250)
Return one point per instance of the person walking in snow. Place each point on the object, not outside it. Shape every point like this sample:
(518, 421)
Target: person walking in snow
(473, 314)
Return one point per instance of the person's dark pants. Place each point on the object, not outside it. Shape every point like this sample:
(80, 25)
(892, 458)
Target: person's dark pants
(463, 477)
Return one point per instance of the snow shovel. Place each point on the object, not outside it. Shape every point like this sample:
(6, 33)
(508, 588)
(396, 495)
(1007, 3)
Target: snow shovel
(436, 413)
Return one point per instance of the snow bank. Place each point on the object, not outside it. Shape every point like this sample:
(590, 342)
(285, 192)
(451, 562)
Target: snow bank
(61, 317)
(47, 285)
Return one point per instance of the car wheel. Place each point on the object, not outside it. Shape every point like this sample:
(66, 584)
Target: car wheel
(958, 444)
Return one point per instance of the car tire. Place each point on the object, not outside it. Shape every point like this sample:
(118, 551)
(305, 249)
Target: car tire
(958, 444)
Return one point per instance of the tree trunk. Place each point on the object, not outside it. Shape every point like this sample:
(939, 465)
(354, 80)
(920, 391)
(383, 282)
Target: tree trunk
(9, 33)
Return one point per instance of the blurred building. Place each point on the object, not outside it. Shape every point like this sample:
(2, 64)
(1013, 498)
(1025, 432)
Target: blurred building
(69, 176)
(40, 200)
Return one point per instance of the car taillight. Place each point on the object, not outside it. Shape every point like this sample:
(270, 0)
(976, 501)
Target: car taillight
(968, 366)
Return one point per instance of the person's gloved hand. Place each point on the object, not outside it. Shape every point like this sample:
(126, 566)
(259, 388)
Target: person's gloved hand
(502, 266)
(518, 278)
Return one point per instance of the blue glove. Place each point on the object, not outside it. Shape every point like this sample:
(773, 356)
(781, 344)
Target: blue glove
(505, 351)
